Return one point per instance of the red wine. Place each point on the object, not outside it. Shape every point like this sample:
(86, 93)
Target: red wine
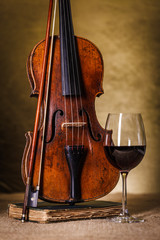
(125, 157)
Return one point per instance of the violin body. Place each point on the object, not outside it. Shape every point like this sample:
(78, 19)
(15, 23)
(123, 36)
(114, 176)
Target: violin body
(93, 176)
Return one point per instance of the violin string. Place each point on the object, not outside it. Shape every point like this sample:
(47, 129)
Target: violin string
(78, 79)
(47, 91)
(67, 55)
(70, 33)
(62, 65)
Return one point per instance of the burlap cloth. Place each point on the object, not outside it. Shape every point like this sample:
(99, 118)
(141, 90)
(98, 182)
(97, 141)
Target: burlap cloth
(146, 206)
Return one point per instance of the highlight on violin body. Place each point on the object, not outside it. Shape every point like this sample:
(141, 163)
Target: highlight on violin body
(63, 159)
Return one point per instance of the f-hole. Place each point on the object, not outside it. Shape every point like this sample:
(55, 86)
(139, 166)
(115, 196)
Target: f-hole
(54, 125)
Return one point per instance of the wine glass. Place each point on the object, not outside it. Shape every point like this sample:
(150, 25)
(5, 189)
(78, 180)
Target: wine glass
(125, 145)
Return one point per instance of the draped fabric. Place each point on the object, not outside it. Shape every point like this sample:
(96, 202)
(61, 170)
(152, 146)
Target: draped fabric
(146, 206)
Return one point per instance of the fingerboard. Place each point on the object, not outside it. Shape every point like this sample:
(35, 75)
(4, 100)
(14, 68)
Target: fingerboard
(69, 62)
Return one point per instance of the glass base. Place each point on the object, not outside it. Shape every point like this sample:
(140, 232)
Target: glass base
(126, 219)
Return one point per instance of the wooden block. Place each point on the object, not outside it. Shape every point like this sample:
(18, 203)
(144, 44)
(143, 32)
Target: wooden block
(47, 212)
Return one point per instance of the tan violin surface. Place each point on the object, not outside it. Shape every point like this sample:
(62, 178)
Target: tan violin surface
(98, 177)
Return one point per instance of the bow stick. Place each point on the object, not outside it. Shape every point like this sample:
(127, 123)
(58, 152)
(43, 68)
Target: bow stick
(28, 191)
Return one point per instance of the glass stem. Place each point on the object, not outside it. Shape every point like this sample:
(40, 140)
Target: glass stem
(124, 194)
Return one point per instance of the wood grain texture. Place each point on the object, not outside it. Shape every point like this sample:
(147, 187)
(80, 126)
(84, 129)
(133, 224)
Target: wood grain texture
(98, 177)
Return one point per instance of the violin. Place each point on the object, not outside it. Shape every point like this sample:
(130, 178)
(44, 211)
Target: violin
(64, 160)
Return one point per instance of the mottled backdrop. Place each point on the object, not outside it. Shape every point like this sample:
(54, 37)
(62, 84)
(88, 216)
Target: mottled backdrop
(127, 32)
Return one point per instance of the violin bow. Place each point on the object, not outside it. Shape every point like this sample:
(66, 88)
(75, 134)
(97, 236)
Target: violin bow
(28, 191)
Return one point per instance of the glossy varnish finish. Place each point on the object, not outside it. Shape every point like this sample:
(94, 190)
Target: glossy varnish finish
(98, 177)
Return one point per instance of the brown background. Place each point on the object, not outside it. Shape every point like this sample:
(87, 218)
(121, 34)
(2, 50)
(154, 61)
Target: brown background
(127, 32)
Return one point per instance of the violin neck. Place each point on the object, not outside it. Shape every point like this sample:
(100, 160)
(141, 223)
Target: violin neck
(69, 62)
